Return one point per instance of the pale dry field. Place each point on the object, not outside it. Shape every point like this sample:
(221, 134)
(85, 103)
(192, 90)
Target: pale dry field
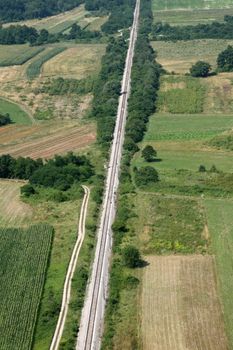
(45, 142)
(78, 62)
(180, 305)
(12, 210)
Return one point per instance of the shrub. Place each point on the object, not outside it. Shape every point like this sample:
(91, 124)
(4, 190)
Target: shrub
(202, 169)
(149, 153)
(131, 256)
(145, 175)
(200, 69)
(27, 190)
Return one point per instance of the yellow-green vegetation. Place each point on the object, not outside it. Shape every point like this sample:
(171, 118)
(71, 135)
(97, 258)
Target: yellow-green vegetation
(24, 260)
(220, 223)
(61, 22)
(181, 55)
(34, 68)
(17, 114)
(13, 212)
(77, 62)
(11, 55)
(191, 16)
(181, 95)
(190, 4)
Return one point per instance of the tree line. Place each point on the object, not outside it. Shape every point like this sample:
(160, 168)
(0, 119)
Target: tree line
(59, 173)
(215, 30)
(17, 34)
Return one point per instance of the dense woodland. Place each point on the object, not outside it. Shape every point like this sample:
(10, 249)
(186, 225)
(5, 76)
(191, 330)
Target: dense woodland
(215, 30)
(11, 10)
(60, 172)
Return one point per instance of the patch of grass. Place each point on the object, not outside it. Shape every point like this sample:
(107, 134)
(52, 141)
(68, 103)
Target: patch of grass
(181, 55)
(224, 141)
(17, 115)
(190, 4)
(172, 225)
(220, 222)
(34, 68)
(165, 127)
(191, 17)
(24, 259)
(11, 55)
(187, 98)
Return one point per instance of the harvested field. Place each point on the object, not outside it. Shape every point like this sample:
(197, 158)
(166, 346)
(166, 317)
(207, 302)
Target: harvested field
(77, 62)
(12, 210)
(181, 55)
(45, 146)
(180, 306)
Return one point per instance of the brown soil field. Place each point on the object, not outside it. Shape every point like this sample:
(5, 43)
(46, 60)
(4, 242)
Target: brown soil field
(12, 210)
(180, 307)
(45, 141)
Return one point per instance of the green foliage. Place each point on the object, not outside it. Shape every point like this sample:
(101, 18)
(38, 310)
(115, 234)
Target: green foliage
(202, 169)
(17, 54)
(34, 68)
(61, 86)
(131, 256)
(225, 60)
(215, 30)
(200, 69)
(222, 141)
(27, 190)
(5, 119)
(146, 175)
(17, 115)
(24, 260)
(149, 153)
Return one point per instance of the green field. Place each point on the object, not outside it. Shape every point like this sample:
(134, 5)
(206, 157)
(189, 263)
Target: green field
(220, 222)
(191, 17)
(181, 55)
(24, 260)
(181, 95)
(17, 115)
(190, 4)
(34, 68)
(11, 55)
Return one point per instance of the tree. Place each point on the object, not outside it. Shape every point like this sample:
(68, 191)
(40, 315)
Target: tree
(225, 59)
(200, 69)
(202, 169)
(149, 153)
(131, 256)
(146, 175)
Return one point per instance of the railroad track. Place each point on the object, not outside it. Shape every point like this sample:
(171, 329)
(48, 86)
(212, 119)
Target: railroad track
(70, 272)
(93, 313)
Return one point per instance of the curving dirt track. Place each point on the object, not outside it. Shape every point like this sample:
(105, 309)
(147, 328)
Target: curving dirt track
(70, 272)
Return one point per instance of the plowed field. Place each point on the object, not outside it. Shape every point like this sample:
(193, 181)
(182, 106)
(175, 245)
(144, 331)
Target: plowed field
(180, 305)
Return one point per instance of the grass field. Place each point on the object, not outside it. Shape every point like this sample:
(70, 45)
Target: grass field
(191, 17)
(34, 68)
(24, 259)
(17, 115)
(11, 55)
(180, 306)
(220, 222)
(181, 95)
(191, 4)
(181, 55)
(78, 62)
(61, 22)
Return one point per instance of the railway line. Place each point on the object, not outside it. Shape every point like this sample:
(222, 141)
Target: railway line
(89, 337)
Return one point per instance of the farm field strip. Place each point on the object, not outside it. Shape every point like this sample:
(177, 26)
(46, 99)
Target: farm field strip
(180, 306)
(11, 55)
(190, 4)
(17, 113)
(24, 259)
(12, 210)
(56, 143)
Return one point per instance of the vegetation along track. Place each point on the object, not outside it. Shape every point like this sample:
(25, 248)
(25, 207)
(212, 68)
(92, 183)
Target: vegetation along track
(70, 272)
(93, 312)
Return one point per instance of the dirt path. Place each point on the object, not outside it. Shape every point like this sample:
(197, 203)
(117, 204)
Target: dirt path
(70, 272)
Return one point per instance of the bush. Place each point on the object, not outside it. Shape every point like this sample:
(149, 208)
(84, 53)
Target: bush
(149, 153)
(145, 175)
(27, 190)
(131, 257)
(202, 169)
(225, 60)
(200, 69)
